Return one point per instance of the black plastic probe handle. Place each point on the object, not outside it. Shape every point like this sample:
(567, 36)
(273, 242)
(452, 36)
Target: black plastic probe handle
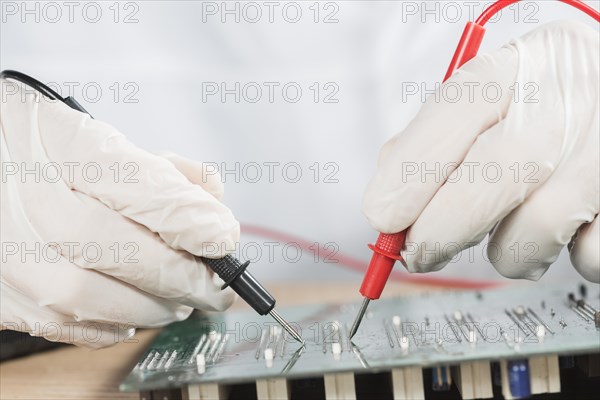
(234, 274)
(253, 293)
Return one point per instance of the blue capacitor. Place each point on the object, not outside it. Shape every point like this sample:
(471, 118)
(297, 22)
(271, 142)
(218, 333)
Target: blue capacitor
(442, 380)
(518, 379)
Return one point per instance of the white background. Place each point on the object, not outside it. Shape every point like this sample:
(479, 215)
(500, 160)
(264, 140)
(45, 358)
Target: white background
(170, 48)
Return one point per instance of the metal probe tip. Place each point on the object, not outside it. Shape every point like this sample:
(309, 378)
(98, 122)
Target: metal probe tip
(286, 326)
(359, 317)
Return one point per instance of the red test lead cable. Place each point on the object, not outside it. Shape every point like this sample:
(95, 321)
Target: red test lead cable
(386, 251)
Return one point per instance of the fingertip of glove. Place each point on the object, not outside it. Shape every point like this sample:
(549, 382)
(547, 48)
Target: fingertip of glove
(183, 312)
(531, 271)
(381, 225)
(378, 216)
(213, 298)
(217, 239)
(589, 266)
(421, 263)
(226, 299)
(229, 239)
(204, 175)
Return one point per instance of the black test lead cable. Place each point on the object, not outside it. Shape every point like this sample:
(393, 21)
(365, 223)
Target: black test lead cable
(42, 88)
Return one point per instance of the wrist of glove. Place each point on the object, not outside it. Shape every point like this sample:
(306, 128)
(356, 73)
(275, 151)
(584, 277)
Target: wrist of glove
(519, 166)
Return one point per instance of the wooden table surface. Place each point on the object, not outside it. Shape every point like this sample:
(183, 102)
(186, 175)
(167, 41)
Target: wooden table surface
(79, 373)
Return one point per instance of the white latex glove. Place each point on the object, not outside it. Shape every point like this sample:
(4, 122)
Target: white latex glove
(545, 148)
(150, 216)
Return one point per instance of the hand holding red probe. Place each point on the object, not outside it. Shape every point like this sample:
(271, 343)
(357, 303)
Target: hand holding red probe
(555, 135)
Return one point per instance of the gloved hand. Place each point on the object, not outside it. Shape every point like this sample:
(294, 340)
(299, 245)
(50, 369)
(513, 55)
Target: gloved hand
(520, 163)
(103, 238)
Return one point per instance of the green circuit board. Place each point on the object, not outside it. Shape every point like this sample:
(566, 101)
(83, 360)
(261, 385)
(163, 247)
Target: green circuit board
(437, 329)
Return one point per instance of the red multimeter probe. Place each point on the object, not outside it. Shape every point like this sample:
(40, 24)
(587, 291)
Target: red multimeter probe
(386, 251)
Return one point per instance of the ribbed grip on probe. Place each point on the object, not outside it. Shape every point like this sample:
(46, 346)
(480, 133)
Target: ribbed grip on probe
(389, 245)
(227, 268)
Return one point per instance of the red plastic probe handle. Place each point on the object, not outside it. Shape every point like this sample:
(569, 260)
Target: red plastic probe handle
(388, 246)
(385, 253)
